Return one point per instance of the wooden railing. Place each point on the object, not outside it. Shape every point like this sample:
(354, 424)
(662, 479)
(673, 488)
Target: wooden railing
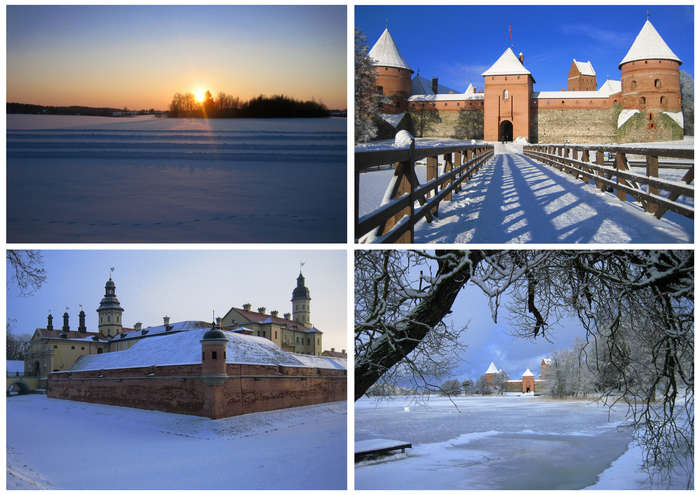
(589, 163)
(395, 218)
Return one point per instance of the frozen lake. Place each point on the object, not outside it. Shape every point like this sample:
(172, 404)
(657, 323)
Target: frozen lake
(100, 179)
(505, 443)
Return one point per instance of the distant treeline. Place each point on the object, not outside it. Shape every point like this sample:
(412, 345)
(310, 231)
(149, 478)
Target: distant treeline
(226, 107)
(75, 110)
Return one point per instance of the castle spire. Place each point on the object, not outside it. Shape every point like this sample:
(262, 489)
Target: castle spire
(649, 45)
(384, 53)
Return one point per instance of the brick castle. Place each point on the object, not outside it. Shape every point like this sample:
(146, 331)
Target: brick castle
(644, 105)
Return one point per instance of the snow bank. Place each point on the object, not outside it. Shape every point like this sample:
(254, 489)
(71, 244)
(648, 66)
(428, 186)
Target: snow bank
(676, 116)
(403, 139)
(185, 348)
(624, 116)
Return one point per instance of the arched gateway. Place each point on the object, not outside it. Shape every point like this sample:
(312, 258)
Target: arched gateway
(505, 131)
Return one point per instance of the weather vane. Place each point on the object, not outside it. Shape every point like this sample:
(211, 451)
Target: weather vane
(301, 265)
(111, 270)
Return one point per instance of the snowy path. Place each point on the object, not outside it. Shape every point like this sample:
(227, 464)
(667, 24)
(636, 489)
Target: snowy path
(504, 443)
(75, 445)
(515, 199)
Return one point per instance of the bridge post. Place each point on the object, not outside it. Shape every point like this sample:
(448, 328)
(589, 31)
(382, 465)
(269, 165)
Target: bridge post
(600, 160)
(401, 170)
(432, 173)
(652, 171)
(457, 164)
(621, 164)
(468, 155)
(448, 168)
(585, 158)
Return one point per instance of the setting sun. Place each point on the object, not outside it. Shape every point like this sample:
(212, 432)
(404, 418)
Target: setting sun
(199, 95)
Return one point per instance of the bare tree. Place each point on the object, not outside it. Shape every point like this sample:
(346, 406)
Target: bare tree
(27, 270)
(402, 299)
(450, 387)
(366, 97)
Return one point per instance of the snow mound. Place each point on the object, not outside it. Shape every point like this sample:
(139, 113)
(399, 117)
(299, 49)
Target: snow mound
(185, 348)
(392, 119)
(403, 139)
(521, 140)
(624, 116)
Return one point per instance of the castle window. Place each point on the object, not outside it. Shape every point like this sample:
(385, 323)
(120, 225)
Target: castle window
(657, 83)
(202, 355)
(562, 102)
(275, 334)
(634, 84)
(72, 347)
(651, 116)
(213, 354)
(505, 94)
(380, 90)
(55, 347)
(663, 100)
(642, 101)
(445, 104)
(99, 350)
(82, 348)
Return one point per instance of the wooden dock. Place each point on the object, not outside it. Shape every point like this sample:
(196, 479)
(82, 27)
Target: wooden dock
(378, 446)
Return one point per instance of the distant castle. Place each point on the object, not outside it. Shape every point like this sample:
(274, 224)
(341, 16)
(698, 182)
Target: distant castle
(645, 105)
(527, 383)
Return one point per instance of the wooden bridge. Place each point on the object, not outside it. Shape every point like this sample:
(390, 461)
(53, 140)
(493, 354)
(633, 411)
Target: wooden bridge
(629, 174)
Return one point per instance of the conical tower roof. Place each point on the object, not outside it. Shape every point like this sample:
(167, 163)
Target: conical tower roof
(470, 89)
(649, 45)
(528, 373)
(385, 53)
(492, 369)
(506, 65)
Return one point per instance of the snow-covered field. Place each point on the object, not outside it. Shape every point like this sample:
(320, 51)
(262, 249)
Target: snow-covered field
(63, 444)
(506, 443)
(515, 199)
(99, 179)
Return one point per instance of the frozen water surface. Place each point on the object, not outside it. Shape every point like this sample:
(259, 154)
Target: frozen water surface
(503, 443)
(99, 179)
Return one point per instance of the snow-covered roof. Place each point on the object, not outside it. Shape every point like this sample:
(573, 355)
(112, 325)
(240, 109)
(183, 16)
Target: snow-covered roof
(528, 373)
(610, 87)
(492, 369)
(506, 65)
(393, 119)
(547, 361)
(385, 53)
(447, 97)
(422, 86)
(649, 45)
(322, 361)
(182, 348)
(470, 89)
(180, 326)
(585, 68)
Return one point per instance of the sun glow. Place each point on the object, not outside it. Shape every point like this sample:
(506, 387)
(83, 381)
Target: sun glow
(199, 95)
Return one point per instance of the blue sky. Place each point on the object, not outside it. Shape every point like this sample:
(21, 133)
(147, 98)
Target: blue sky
(185, 285)
(457, 43)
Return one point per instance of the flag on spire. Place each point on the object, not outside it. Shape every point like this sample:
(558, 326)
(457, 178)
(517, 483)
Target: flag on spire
(510, 36)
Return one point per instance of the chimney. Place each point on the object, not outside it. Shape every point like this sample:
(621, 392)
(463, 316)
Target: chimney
(137, 325)
(261, 309)
(435, 85)
(247, 306)
(49, 325)
(332, 349)
(166, 320)
(521, 58)
(66, 328)
(81, 322)
(274, 313)
(288, 316)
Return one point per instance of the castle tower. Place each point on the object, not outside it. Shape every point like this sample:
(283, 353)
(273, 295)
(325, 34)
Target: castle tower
(490, 373)
(66, 327)
(214, 352)
(81, 322)
(651, 75)
(392, 72)
(507, 94)
(582, 76)
(110, 312)
(301, 302)
(528, 380)
(49, 324)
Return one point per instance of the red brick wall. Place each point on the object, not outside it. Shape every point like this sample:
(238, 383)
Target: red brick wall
(394, 82)
(639, 79)
(528, 381)
(447, 106)
(181, 389)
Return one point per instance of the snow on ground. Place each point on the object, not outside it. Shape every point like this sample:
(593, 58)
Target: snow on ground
(63, 444)
(502, 443)
(100, 179)
(514, 199)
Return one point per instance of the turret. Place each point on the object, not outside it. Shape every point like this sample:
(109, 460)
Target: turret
(650, 75)
(214, 353)
(66, 327)
(528, 380)
(81, 322)
(491, 372)
(393, 75)
(110, 312)
(301, 302)
(49, 324)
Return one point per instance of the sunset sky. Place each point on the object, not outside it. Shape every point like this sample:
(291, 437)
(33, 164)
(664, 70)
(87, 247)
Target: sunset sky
(139, 56)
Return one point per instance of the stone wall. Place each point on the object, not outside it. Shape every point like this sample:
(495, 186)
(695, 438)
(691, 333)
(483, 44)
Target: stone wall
(576, 125)
(182, 389)
(446, 124)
